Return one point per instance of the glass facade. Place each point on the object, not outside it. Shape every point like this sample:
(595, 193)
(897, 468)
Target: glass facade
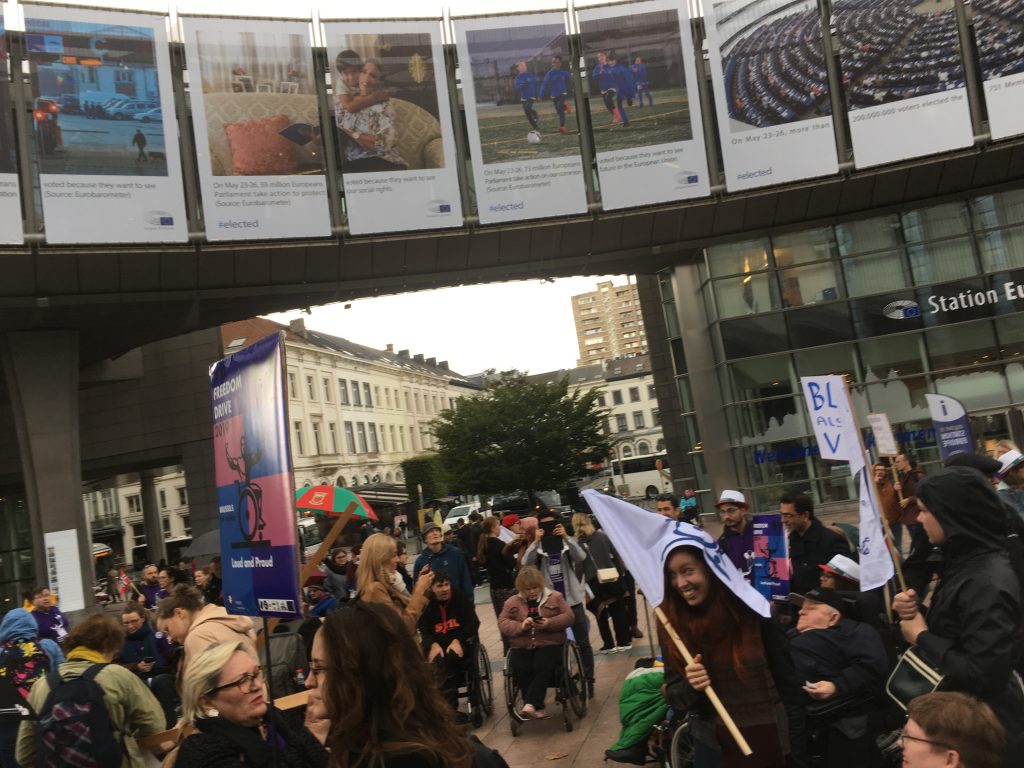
(903, 304)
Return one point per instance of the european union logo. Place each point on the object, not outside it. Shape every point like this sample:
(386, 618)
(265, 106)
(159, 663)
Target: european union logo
(166, 221)
(445, 208)
(691, 179)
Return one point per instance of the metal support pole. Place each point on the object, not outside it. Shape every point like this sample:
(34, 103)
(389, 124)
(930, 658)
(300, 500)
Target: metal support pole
(458, 120)
(840, 127)
(189, 167)
(329, 139)
(589, 156)
(21, 98)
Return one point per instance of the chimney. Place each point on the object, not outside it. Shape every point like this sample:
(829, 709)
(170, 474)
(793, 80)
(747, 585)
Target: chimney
(403, 353)
(391, 348)
(298, 327)
(418, 358)
(443, 364)
(432, 362)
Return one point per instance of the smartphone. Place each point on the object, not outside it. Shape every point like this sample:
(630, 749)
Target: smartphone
(548, 527)
(148, 659)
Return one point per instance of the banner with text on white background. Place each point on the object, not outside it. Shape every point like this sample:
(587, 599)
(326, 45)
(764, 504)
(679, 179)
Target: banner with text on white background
(394, 125)
(104, 133)
(524, 167)
(257, 127)
(771, 92)
(10, 199)
(999, 32)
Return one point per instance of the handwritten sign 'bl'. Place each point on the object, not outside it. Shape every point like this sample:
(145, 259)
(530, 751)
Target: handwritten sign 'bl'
(828, 406)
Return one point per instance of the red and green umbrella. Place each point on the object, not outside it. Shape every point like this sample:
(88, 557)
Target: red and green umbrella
(331, 501)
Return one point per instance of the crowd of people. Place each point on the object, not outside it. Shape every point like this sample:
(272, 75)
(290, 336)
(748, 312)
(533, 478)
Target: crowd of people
(818, 679)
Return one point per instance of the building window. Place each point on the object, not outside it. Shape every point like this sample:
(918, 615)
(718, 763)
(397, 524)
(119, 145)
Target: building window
(601, 400)
(659, 446)
(318, 447)
(408, 407)
(327, 390)
(634, 394)
(643, 448)
(186, 522)
(401, 434)
(656, 417)
(372, 429)
(350, 437)
(638, 419)
(367, 397)
(627, 451)
(182, 497)
(293, 390)
(652, 392)
(134, 505)
(310, 388)
(166, 525)
(394, 446)
(342, 392)
(332, 430)
(387, 396)
(138, 534)
(620, 423)
(297, 428)
(416, 399)
(361, 436)
(616, 397)
(163, 499)
(355, 394)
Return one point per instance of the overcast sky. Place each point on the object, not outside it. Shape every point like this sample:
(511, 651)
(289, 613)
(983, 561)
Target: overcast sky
(524, 325)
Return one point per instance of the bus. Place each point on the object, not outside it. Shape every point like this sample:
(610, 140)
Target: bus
(640, 476)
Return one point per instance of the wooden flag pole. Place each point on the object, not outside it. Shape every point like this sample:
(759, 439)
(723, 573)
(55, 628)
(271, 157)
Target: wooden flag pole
(716, 702)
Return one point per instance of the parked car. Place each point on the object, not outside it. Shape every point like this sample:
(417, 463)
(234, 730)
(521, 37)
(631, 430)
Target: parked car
(130, 109)
(151, 116)
(460, 512)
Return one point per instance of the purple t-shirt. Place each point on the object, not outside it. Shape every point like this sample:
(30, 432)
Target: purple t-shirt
(740, 549)
(51, 623)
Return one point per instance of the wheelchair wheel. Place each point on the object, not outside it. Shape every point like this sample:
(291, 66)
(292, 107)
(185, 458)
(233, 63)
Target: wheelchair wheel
(485, 690)
(681, 753)
(513, 700)
(574, 682)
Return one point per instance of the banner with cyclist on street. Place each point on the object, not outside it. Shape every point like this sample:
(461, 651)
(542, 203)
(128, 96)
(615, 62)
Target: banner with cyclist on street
(255, 498)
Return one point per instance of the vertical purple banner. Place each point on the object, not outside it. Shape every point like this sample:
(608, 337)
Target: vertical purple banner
(903, 77)
(952, 425)
(10, 200)
(771, 558)
(999, 31)
(255, 497)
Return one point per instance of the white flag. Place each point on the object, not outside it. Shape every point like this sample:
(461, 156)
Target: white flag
(875, 562)
(644, 539)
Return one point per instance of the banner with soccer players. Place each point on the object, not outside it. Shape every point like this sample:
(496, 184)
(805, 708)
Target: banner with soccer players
(903, 77)
(644, 105)
(103, 127)
(521, 115)
(771, 91)
(999, 32)
(394, 125)
(257, 128)
(10, 201)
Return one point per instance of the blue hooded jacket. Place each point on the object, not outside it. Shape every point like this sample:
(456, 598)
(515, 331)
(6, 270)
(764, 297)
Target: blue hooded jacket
(18, 625)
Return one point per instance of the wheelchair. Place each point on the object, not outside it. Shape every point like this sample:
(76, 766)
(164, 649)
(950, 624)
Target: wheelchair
(568, 681)
(669, 743)
(475, 684)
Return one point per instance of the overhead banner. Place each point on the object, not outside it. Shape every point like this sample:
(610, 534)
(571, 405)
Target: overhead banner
(771, 567)
(10, 199)
(394, 125)
(903, 77)
(257, 128)
(644, 104)
(255, 497)
(771, 91)
(525, 150)
(103, 127)
(999, 32)
(952, 425)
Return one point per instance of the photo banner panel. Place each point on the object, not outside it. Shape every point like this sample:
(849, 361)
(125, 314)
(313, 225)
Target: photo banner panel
(256, 117)
(642, 54)
(999, 31)
(10, 198)
(771, 92)
(524, 165)
(903, 78)
(103, 127)
(394, 125)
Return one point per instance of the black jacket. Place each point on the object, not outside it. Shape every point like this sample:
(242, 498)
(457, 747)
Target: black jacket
(974, 616)
(816, 547)
(222, 744)
(454, 620)
(501, 568)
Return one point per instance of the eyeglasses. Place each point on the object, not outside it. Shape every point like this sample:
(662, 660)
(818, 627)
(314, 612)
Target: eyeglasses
(131, 622)
(246, 683)
(315, 672)
(905, 737)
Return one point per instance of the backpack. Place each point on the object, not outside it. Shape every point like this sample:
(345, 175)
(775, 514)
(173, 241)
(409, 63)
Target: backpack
(75, 726)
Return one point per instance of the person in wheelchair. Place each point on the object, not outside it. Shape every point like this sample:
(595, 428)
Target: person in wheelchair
(534, 620)
(448, 629)
(842, 666)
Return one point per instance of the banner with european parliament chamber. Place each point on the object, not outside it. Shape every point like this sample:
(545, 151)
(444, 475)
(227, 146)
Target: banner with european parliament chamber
(771, 91)
(999, 33)
(256, 120)
(10, 197)
(644, 104)
(525, 149)
(393, 120)
(105, 137)
(903, 77)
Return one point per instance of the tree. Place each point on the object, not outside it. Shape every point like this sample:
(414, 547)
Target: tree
(520, 435)
(428, 472)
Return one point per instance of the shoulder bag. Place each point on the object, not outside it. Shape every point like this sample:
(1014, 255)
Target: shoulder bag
(913, 676)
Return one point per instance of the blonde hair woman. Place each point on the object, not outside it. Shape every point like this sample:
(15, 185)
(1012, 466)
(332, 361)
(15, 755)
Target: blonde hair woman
(223, 698)
(378, 561)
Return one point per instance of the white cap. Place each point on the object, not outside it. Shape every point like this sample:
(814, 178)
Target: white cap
(841, 565)
(1009, 460)
(733, 497)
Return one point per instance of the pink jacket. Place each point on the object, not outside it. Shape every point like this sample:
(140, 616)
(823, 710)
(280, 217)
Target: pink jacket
(553, 608)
